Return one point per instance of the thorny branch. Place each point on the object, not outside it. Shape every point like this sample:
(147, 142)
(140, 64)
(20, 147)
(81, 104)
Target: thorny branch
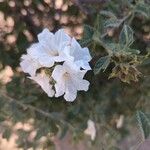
(27, 106)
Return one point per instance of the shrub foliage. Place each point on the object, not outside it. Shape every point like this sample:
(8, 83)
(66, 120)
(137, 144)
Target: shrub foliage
(117, 34)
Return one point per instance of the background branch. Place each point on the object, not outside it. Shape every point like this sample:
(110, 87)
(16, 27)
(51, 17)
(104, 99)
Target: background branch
(35, 109)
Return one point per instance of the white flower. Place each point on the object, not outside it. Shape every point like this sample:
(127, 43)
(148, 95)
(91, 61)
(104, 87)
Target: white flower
(29, 65)
(51, 48)
(44, 81)
(69, 80)
(72, 64)
(81, 55)
(91, 130)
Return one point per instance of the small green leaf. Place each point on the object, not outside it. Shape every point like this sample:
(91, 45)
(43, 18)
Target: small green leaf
(114, 47)
(144, 124)
(113, 23)
(133, 51)
(87, 35)
(22, 41)
(143, 9)
(102, 64)
(126, 36)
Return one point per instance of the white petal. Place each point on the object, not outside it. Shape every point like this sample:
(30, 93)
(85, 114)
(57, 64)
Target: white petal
(57, 75)
(28, 68)
(52, 42)
(82, 73)
(59, 58)
(86, 53)
(46, 61)
(75, 46)
(79, 53)
(65, 53)
(81, 85)
(63, 57)
(57, 72)
(84, 85)
(83, 64)
(29, 65)
(70, 91)
(43, 81)
(45, 36)
(74, 69)
(60, 88)
(36, 51)
(61, 36)
(61, 39)
(70, 67)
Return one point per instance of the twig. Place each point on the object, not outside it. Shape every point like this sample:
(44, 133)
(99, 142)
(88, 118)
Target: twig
(27, 106)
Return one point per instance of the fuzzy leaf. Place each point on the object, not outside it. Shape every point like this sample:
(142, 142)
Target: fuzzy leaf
(22, 41)
(143, 9)
(126, 36)
(87, 35)
(102, 64)
(114, 23)
(133, 51)
(114, 47)
(144, 124)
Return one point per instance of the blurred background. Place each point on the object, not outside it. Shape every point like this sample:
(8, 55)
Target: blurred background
(30, 120)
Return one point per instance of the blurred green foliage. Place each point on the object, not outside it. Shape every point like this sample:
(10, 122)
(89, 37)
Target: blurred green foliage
(117, 33)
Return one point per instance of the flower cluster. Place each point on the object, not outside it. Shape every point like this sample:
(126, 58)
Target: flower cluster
(58, 64)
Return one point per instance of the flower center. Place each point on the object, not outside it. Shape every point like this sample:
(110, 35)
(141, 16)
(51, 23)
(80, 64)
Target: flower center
(53, 53)
(66, 75)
